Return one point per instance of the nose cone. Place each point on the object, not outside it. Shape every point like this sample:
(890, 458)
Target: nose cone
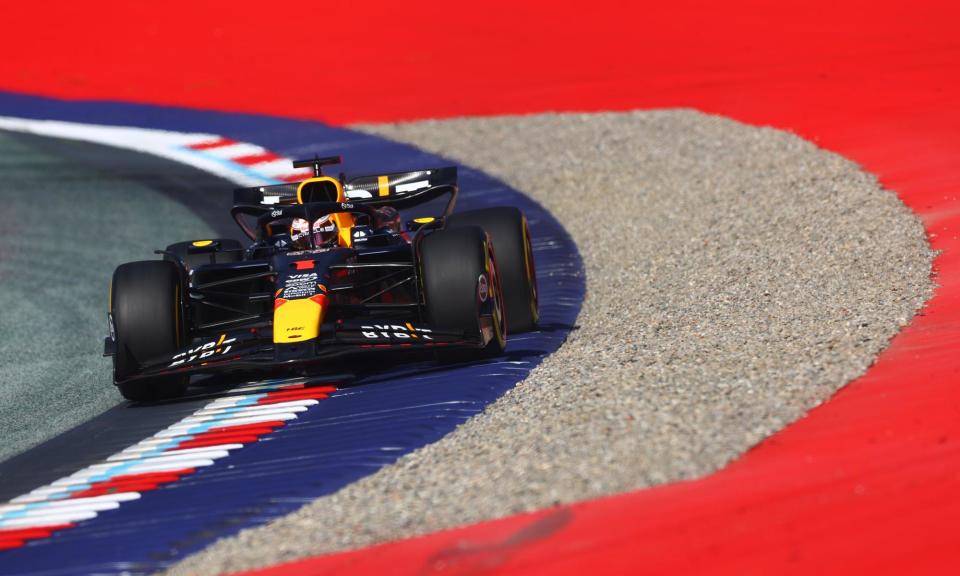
(298, 320)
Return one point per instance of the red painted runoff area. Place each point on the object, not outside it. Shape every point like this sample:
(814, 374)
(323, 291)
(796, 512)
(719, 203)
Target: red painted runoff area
(866, 483)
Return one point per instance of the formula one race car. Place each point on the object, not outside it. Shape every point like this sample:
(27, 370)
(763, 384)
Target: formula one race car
(331, 271)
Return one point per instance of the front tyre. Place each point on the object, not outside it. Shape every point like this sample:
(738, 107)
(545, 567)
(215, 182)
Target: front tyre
(462, 286)
(147, 309)
(507, 227)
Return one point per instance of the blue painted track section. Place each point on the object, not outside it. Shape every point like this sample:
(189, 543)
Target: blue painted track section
(369, 423)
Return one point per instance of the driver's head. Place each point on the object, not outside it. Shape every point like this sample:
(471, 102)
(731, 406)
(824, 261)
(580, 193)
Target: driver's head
(324, 232)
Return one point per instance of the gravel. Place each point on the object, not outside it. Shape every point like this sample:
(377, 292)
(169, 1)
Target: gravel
(737, 276)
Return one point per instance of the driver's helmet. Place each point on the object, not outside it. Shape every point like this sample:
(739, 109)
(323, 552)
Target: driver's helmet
(324, 232)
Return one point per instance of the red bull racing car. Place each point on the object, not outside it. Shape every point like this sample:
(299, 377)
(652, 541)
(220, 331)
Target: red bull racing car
(330, 270)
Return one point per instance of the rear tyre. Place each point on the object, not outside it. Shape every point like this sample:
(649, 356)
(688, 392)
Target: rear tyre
(507, 227)
(146, 305)
(461, 285)
(219, 251)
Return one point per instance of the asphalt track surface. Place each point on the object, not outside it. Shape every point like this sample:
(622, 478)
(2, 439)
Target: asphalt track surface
(737, 277)
(72, 213)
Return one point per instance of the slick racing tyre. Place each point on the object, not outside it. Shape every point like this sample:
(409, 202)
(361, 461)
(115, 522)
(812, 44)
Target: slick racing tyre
(199, 252)
(461, 285)
(147, 310)
(508, 229)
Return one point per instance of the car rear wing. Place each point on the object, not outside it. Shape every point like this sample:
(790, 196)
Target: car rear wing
(398, 189)
(388, 188)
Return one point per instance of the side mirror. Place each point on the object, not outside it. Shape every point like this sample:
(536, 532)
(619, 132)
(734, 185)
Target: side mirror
(418, 223)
